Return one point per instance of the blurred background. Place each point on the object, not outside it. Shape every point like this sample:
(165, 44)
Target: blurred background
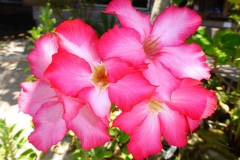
(22, 22)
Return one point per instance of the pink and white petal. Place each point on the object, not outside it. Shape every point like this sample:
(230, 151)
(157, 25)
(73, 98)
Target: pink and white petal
(130, 90)
(116, 69)
(146, 138)
(128, 121)
(71, 107)
(185, 61)
(34, 94)
(194, 101)
(189, 81)
(50, 128)
(122, 43)
(129, 17)
(174, 126)
(99, 102)
(89, 129)
(162, 78)
(69, 73)
(193, 124)
(41, 56)
(78, 38)
(174, 25)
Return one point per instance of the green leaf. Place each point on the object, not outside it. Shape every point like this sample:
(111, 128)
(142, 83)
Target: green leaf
(17, 135)
(123, 138)
(26, 152)
(125, 153)
(12, 128)
(76, 155)
(203, 32)
(177, 2)
(229, 51)
(217, 38)
(113, 132)
(104, 154)
(104, 20)
(112, 22)
(99, 29)
(210, 50)
(222, 57)
(33, 155)
(231, 39)
(22, 140)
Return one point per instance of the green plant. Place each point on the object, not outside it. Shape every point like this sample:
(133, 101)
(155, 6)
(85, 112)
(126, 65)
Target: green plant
(12, 141)
(47, 24)
(106, 24)
(116, 149)
(82, 9)
(77, 8)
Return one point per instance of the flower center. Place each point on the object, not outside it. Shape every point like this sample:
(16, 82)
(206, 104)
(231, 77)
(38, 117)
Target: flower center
(150, 46)
(155, 106)
(99, 76)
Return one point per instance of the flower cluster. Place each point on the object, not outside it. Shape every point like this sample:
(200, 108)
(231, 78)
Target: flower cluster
(145, 69)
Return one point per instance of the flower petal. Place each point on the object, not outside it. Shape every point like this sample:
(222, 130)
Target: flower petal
(163, 79)
(89, 129)
(34, 94)
(128, 121)
(174, 25)
(185, 61)
(146, 138)
(122, 43)
(193, 124)
(174, 127)
(71, 107)
(41, 56)
(129, 17)
(69, 73)
(50, 128)
(116, 69)
(194, 101)
(78, 38)
(98, 100)
(130, 90)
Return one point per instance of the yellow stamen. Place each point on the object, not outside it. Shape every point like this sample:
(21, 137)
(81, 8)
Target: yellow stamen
(99, 76)
(155, 106)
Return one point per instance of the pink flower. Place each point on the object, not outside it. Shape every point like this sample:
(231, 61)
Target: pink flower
(171, 118)
(139, 41)
(176, 68)
(78, 71)
(53, 112)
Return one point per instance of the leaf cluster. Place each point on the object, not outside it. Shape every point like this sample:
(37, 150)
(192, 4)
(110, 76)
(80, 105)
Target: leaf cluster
(224, 45)
(12, 141)
(47, 24)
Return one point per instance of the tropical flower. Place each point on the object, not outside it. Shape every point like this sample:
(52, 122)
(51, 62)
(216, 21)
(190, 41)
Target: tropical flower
(145, 69)
(53, 112)
(176, 68)
(75, 88)
(164, 40)
(78, 71)
(171, 118)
